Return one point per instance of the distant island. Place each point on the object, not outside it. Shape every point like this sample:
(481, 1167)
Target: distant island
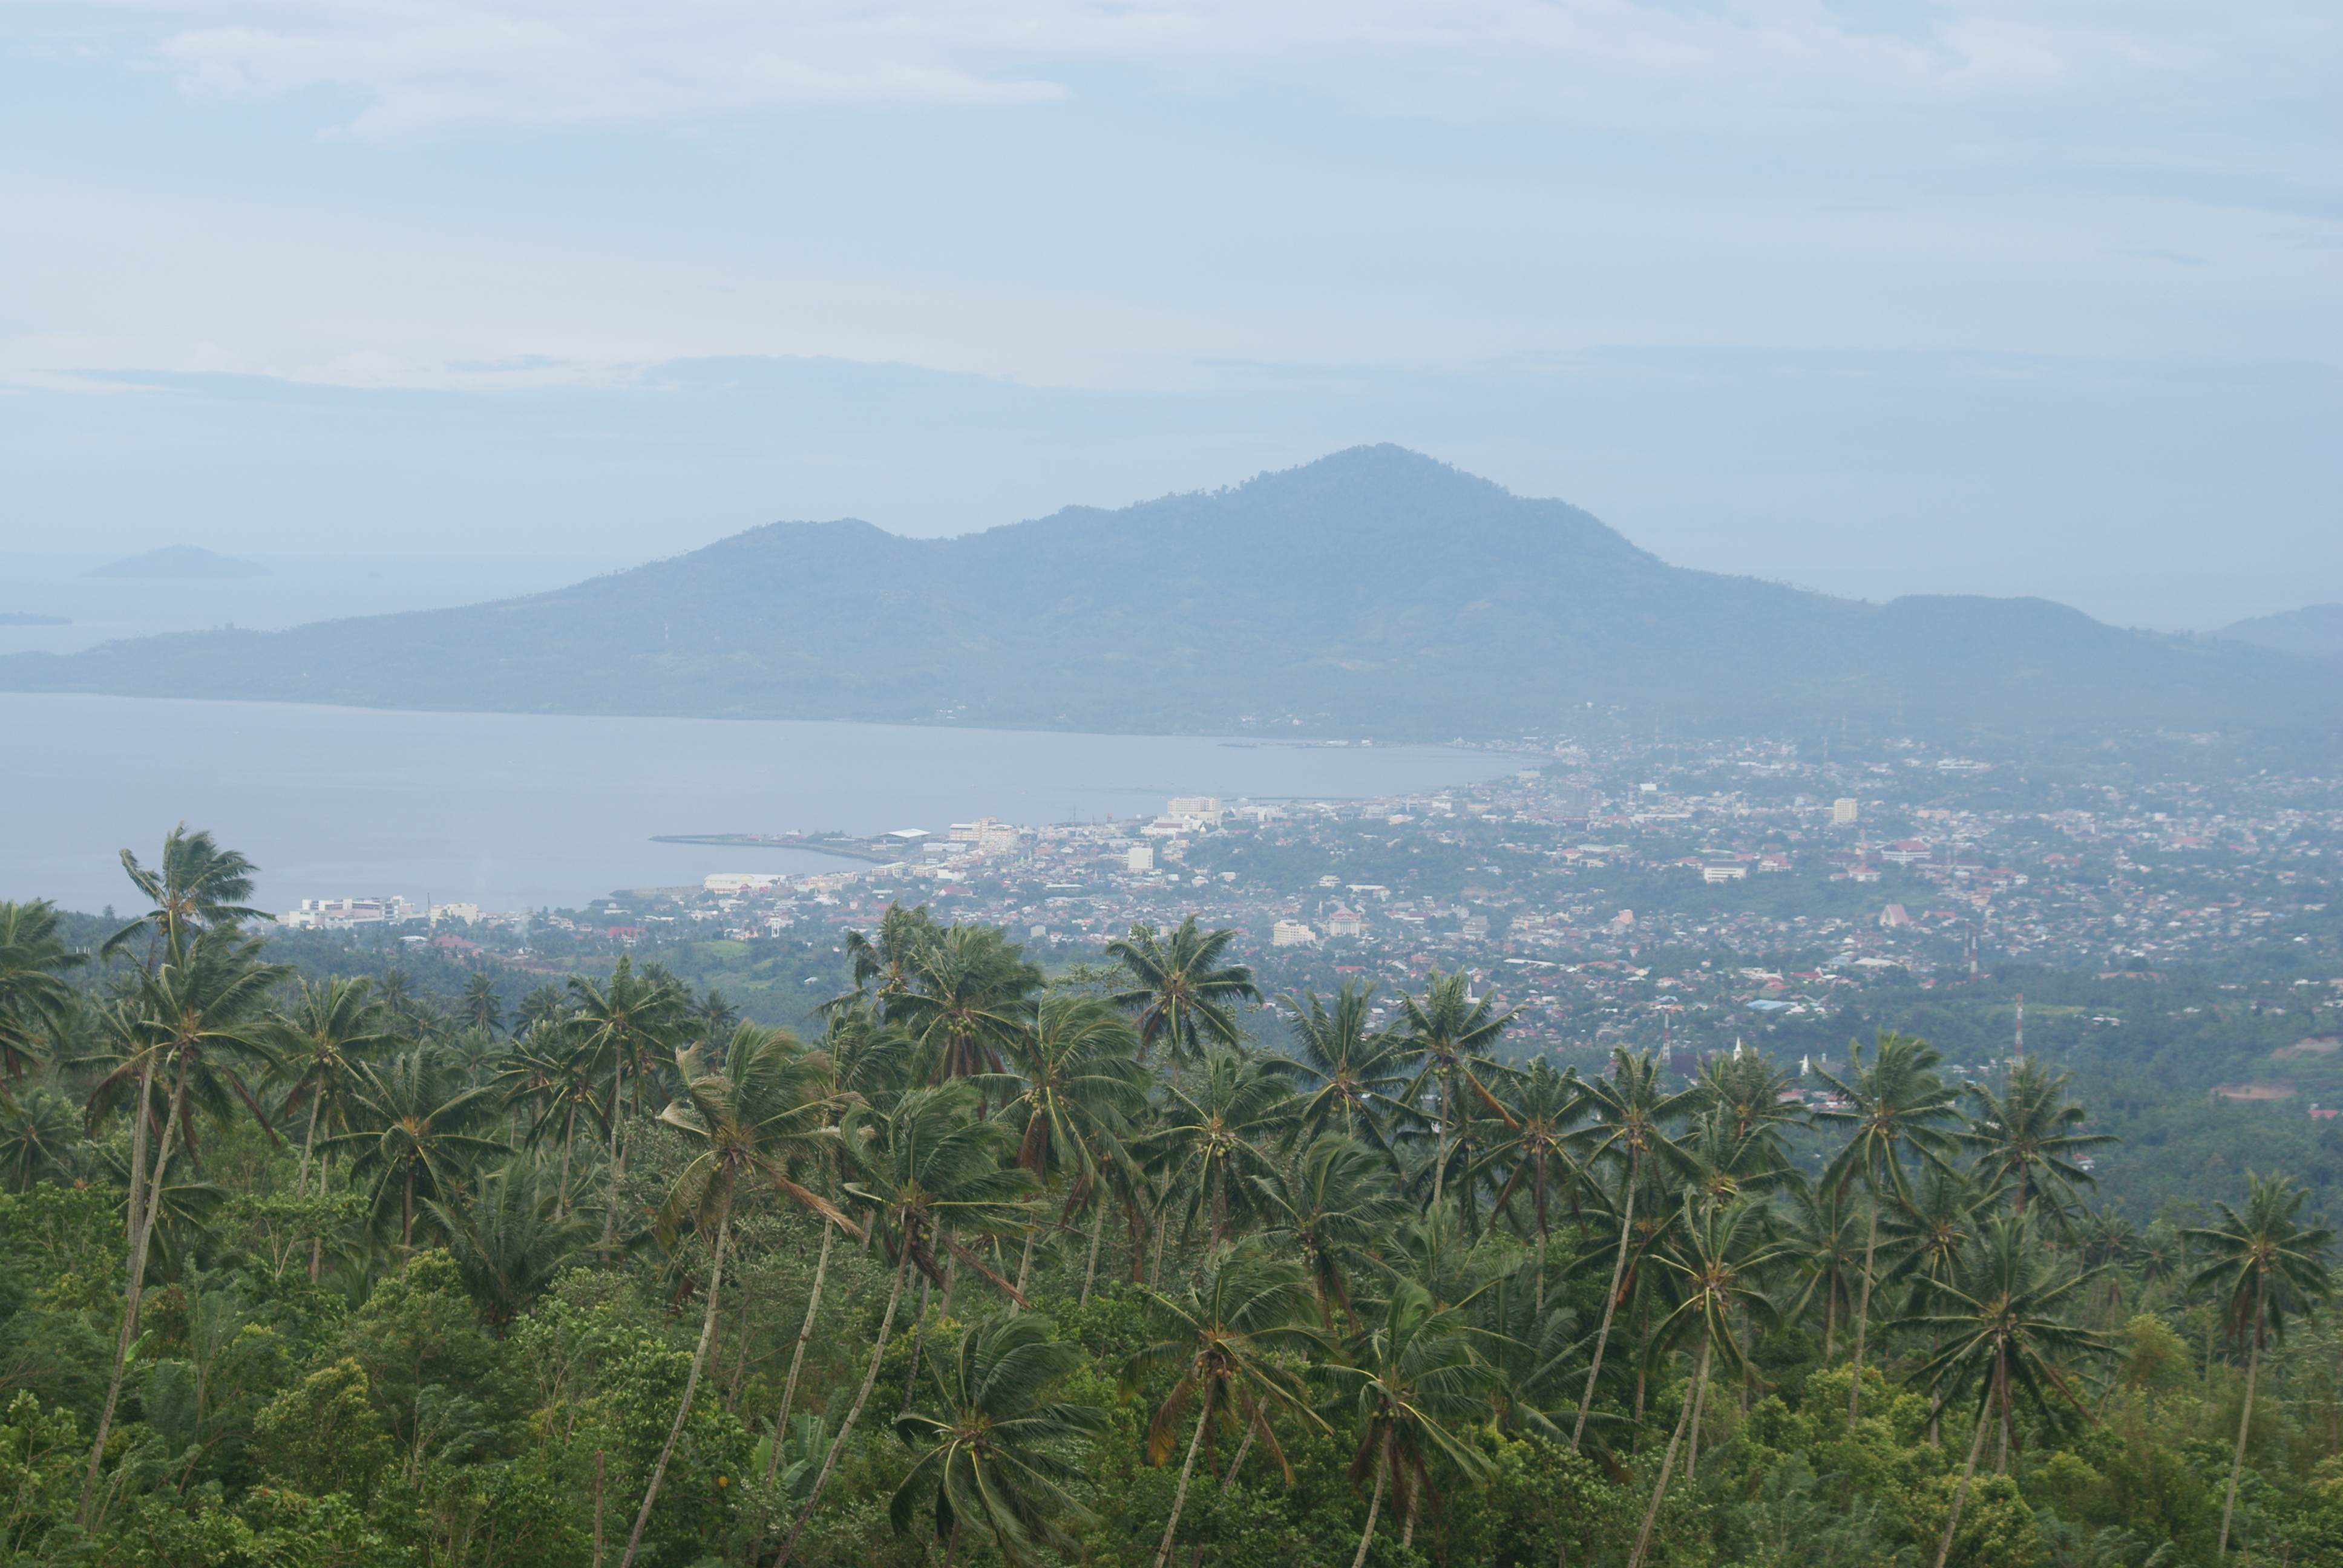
(21, 617)
(2314, 631)
(1376, 593)
(179, 561)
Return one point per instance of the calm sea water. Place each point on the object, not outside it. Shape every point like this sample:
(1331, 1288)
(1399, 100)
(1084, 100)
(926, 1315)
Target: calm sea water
(521, 812)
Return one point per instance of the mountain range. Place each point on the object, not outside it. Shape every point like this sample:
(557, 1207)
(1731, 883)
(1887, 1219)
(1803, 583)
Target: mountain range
(1375, 592)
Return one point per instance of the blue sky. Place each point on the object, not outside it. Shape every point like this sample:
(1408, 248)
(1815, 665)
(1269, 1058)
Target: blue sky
(1884, 297)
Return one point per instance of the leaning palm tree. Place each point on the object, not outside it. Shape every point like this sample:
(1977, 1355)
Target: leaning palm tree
(2026, 1137)
(189, 1022)
(1231, 1338)
(34, 999)
(1632, 1117)
(1453, 1032)
(194, 886)
(751, 1120)
(928, 1169)
(2265, 1264)
(2002, 1323)
(984, 1444)
(1335, 1206)
(1403, 1380)
(1895, 1107)
(414, 1137)
(1353, 1072)
(1186, 996)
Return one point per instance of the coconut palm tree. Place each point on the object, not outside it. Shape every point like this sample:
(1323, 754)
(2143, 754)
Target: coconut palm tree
(480, 1007)
(1716, 1260)
(889, 958)
(1754, 1098)
(1352, 1073)
(509, 1237)
(194, 885)
(1528, 1158)
(1896, 1107)
(982, 1446)
(1827, 1240)
(1451, 1033)
(2264, 1264)
(1075, 1086)
(1232, 1336)
(188, 1022)
(927, 1168)
(328, 1033)
(1633, 1114)
(2002, 1325)
(33, 1000)
(974, 996)
(623, 1027)
(1216, 1134)
(1185, 994)
(415, 1133)
(39, 1134)
(751, 1120)
(2026, 1138)
(1334, 1206)
(1402, 1382)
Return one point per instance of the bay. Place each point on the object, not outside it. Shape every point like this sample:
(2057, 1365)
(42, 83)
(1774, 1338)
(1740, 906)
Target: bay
(522, 810)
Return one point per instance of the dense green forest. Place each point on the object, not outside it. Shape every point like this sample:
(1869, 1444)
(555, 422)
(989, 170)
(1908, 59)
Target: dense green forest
(992, 1265)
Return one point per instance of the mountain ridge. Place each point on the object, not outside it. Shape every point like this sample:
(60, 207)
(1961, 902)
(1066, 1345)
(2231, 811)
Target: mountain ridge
(1374, 591)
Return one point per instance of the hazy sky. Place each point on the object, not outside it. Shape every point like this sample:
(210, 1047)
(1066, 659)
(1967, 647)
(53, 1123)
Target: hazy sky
(2021, 296)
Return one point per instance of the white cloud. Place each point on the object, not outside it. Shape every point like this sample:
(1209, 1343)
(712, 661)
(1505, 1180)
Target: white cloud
(422, 70)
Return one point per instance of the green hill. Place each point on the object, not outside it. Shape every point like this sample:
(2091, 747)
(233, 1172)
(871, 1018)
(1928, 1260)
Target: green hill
(1374, 592)
(2314, 631)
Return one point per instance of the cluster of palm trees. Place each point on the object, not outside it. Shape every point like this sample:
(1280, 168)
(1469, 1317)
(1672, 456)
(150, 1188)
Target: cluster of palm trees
(1390, 1230)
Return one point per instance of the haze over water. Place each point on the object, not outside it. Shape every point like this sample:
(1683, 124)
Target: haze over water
(512, 811)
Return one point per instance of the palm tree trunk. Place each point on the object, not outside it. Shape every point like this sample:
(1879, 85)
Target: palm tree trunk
(308, 1141)
(690, 1384)
(568, 1142)
(1667, 1463)
(1375, 1506)
(1439, 1148)
(805, 1337)
(136, 1286)
(611, 1207)
(1243, 1448)
(1097, 1230)
(1699, 1402)
(870, 1376)
(1024, 1269)
(1187, 1468)
(1610, 1306)
(1961, 1494)
(919, 1343)
(740, 1357)
(2245, 1423)
(1863, 1313)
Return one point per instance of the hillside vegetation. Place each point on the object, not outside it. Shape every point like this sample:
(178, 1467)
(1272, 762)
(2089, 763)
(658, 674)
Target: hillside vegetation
(989, 1266)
